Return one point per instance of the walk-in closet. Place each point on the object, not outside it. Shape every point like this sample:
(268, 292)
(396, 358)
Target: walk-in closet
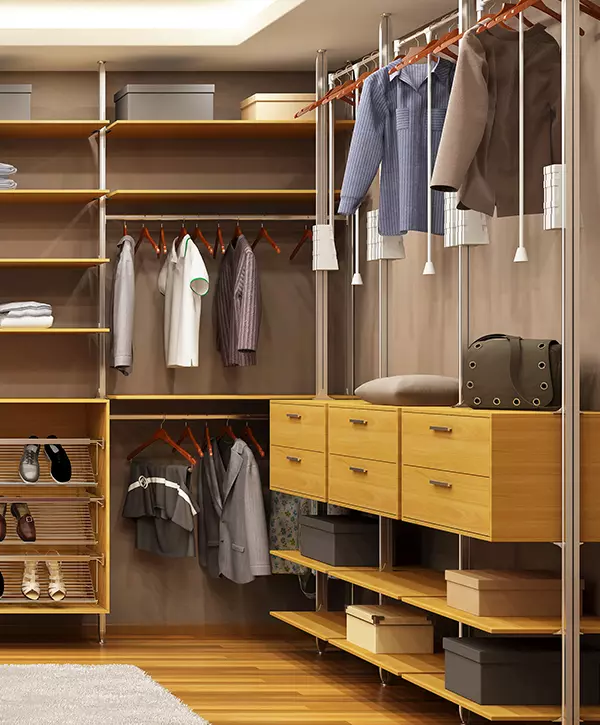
(299, 411)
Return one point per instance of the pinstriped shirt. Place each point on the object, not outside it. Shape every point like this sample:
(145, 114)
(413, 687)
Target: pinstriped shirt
(391, 131)
(238, 305)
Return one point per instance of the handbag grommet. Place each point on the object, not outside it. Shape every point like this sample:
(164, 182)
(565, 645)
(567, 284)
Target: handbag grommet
(544, 386)
(472, 364)
(516, 402)
(477, 345)
(497, 401)
(536, 401)
(542, 365)
(477, 401)
(542, 345)
(470, 384)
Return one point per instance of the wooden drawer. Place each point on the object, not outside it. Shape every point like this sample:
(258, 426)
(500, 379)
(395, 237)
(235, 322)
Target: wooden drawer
(298, 472)
(450, 501)
(299, 426)
(371, 486)
(448, 442)
(364, 433)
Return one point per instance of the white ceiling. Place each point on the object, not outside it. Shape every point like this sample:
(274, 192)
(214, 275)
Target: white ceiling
(199, 34)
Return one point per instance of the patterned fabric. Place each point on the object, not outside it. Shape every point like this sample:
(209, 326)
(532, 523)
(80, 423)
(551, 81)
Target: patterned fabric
(284, 529)
(391, 131)
(238, 305)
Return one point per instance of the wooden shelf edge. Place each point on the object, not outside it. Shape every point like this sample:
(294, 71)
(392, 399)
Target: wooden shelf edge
(54, 330)
(221, 128)
(396, 584)
(328, 626)
(53, 262)
(265, 396)
(396, 664)
(297, 558)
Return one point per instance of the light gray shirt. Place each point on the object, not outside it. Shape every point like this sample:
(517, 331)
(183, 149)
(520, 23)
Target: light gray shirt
(123, 307)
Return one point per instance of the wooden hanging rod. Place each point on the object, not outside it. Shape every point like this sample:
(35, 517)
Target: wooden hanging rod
(169, 416)
(214, 217)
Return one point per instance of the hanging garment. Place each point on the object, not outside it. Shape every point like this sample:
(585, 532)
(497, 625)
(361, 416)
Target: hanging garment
(284, 529)
(238, 305)
(183, 280)
(391, 131)
(159, 500)
(479, 151)
(123, 307)
(232, 532)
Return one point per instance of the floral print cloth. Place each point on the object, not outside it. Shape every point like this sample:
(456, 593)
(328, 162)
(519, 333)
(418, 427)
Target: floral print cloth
(285, 529)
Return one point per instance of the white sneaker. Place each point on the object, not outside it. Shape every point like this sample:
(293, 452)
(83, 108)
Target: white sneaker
(29, 467)
(56, 587)
(31, 585)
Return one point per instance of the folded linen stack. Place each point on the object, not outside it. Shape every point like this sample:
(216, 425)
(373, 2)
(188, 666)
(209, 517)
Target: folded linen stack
(7, 170)
(26, 314)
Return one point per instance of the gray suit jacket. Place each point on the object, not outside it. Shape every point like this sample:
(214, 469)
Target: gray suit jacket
(232, 533)
(238, 305)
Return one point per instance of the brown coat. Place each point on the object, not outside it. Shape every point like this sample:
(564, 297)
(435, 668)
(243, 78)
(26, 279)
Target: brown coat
(479, 150)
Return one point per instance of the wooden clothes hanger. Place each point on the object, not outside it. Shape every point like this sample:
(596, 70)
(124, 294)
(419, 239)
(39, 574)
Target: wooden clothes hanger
(209, 447)
(264, 234)
(419, 55)
(145, 235)
(227, 430)
(161, 239)
(182, 234)
(219, 242)
(125, 232)
(189, 435)
(237, 233)
(523, 5)
(307, 236)
(250, 435)
(161, 435)
(590, 8)
(198, 235)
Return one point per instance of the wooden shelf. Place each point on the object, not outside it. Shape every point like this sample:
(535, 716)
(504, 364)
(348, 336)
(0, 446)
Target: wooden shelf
(396, 664)
(55, 608)
(328, 626)
(296, 558)
(517, 713)
(50, 129)
(76, 575)
(500, 625)
(397, 584)
(273, 396)
(53, 330)
(213, 195)
(50, 196)
(231, 129)
(78, 262)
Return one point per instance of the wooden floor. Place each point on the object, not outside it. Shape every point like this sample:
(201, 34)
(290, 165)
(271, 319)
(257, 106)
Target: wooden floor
(277, 682)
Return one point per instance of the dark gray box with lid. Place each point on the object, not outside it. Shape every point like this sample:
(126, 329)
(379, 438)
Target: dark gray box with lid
(181, 102)
(515, 671)
(340, 540)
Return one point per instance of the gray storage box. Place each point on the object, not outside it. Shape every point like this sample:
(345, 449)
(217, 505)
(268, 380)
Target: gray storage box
(340, 540)
(511, 671)
(183, 102)
(15, 102)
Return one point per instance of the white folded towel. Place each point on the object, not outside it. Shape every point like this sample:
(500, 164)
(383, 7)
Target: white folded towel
(9, 306)
(28, 312)
(29, 322)
(7, 169)
(6, 184)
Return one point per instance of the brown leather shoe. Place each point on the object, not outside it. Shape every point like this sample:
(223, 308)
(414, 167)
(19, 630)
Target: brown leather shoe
(25, 522)
(2, 522)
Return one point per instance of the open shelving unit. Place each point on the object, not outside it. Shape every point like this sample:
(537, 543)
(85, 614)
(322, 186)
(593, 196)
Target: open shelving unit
(327, 626)
(50, 128)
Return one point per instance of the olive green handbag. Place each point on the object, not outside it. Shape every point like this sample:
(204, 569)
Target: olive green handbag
(509, 373)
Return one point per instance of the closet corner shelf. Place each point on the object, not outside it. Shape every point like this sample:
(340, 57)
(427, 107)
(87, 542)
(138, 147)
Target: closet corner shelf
(51, 196)
(434, 682)
(68, 262)
(50, 128)
(500, 625)
(53, 330)
(213, 195)
(396, 664)
(327, 626)
(226, 129)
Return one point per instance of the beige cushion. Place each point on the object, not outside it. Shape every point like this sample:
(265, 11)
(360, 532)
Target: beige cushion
(410, 390)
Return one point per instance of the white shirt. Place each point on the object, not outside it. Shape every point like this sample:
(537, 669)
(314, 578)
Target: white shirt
(183, 280)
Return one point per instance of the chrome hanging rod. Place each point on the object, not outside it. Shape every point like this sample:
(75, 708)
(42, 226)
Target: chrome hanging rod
(374, 56)
(169, 416)
(214, 217)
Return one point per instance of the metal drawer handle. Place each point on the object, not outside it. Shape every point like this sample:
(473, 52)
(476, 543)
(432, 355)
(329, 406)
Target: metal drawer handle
(358, 421)
(294, 416)
(440, 429)
(440, 484)
(294, 459)
(354, 469)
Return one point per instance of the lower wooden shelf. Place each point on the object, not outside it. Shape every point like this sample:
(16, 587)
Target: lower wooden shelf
(328, 626)
(53, 330)
(296, 558)
(434, 683)
(396, 664)
(397, 584)
(500, 625)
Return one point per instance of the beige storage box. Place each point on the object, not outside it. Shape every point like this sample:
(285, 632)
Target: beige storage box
(277, 107)
(492, 593)
(389, 629)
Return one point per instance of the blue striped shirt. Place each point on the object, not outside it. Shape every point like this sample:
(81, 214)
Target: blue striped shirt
(391, 131)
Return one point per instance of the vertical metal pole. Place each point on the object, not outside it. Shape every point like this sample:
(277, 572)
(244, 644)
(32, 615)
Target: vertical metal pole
(385, 57)
(571, 535)
(102, 339)
(321, 212)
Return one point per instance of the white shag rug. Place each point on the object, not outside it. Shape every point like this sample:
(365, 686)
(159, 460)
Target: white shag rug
(87, 695)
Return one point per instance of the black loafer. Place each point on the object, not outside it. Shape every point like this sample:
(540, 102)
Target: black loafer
(60, 465)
